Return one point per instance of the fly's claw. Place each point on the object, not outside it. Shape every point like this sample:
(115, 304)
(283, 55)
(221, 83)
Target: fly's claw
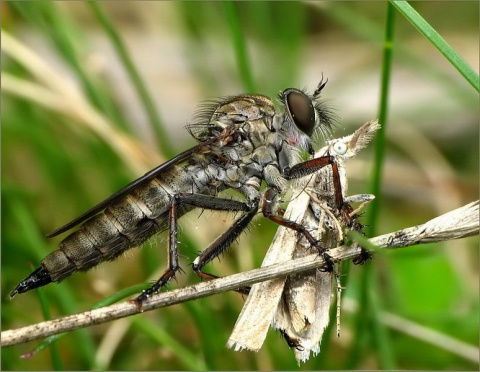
(141, 298)
(345, 214)
(293, 343)
(328, 266)
(155, 288)
(363, 257)
(138, 302)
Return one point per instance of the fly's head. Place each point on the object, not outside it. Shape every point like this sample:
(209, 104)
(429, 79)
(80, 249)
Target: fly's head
(303, 115)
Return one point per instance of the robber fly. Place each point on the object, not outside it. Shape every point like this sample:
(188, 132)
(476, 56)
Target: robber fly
(243, 141)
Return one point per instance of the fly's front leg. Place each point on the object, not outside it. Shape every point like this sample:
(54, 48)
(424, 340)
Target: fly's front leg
(268, 206)
(314, 165)
(224, 241)
(196, 200)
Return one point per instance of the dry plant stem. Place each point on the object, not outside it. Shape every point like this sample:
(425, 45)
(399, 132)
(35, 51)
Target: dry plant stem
(456, 224)
(168, 298)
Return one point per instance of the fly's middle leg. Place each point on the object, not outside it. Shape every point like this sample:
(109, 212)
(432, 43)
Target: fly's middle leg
(268, 209)
(196, 200)
(222, 243)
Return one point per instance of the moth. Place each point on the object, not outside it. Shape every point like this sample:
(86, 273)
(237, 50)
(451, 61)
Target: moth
(299, 305)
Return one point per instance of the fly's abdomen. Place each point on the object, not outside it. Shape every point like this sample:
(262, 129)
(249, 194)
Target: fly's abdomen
(124, 224)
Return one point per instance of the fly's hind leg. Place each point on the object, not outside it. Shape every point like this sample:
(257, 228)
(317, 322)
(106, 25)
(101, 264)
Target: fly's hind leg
(196, 200)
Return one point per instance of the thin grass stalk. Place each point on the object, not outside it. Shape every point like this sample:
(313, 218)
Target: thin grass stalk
(381, 337)
(240, 48)
(438, 42)
(368, 315)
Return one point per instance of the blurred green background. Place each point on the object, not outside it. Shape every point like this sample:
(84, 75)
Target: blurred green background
(94, 95)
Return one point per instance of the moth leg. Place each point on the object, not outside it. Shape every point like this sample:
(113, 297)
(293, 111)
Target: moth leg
(268, 209)
(196, 200)
(220, 244)
(365, 199)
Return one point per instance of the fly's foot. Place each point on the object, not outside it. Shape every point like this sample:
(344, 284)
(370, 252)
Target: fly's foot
(139, 301)
(160, 283)
(142, 297)
(363, 257)
(243, 290)
(328, 266)
(293, 343)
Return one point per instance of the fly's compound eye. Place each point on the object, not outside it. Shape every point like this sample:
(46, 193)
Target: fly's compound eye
(300, 109)
(340, 148)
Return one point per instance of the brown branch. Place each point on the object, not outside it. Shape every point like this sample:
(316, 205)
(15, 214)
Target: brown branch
(456, 224)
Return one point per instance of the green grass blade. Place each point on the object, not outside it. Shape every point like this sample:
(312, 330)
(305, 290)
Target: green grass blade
(439, 42)
(67, 39)
(146, 99)
(239, 47)
(380, 139)
(162, 337)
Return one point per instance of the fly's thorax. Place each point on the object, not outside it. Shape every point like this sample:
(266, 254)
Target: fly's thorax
(214, 117)
(243, 108)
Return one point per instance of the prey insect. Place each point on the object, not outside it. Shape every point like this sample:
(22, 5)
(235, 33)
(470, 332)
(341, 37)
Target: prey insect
(298, 306)
(243, 141)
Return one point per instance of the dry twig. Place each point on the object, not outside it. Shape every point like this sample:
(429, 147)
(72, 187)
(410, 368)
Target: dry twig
(456, 224)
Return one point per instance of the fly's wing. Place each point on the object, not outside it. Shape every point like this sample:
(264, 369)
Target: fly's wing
(262, 302)
(318, 295)
(304, 312)
(127, 189)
